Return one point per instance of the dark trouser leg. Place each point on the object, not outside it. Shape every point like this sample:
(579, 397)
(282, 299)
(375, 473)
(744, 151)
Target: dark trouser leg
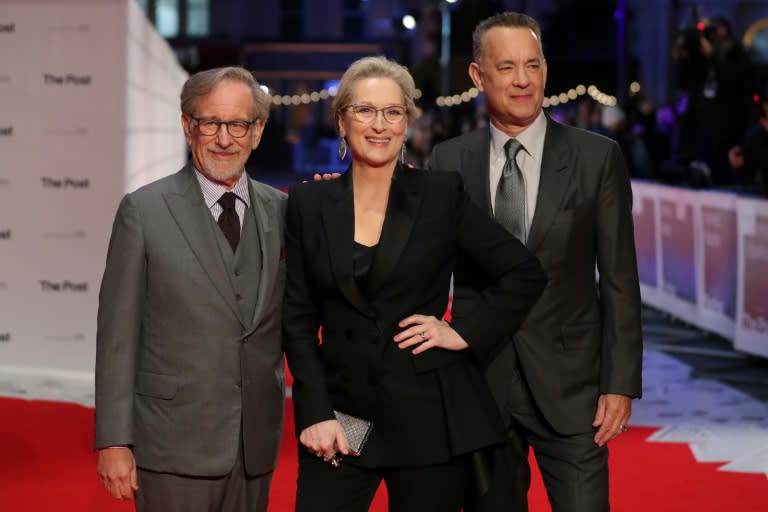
(437, 488)
(323, 488)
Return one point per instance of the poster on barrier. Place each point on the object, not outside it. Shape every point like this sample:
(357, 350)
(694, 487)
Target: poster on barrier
(752, 294)
(645, 216)
(716, 276)
(679, 261)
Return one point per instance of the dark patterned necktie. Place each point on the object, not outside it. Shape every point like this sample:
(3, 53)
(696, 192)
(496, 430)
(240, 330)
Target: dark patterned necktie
(228, 221)
(510, 194)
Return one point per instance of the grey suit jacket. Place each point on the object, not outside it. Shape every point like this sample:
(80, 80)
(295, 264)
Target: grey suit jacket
(580, 339)
(178, 371)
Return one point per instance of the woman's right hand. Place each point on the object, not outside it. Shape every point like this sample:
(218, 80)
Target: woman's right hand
(324, 439)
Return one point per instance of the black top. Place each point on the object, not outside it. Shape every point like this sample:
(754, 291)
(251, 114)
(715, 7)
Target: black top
(362, 261)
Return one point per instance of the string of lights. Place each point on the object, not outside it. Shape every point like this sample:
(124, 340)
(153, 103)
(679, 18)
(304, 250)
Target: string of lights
(464, 97)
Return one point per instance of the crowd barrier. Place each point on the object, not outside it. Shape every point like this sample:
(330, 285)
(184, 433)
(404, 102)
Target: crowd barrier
(703, 257)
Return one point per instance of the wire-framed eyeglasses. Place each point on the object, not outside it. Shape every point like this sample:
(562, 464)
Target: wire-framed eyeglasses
(235, 129)
(393, 114)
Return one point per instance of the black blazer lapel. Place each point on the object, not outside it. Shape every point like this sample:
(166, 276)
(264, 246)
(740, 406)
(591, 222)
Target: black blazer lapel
(194, 220)
(475, 162)
(339, 222)
(402, 208)
(554, 180)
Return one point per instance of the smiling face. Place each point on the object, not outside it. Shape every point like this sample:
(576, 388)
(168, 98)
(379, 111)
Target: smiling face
(221, 157)
(512, 73)
(377, 143)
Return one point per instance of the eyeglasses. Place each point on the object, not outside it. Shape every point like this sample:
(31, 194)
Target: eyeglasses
(235, 129)
(393, 114)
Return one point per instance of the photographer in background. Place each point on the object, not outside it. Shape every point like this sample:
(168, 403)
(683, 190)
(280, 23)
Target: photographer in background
(713, 70)
(750, 159)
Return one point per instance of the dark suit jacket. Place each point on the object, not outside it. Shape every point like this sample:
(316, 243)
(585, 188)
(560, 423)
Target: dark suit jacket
(178, 371)
(428, 407)
(580, 339)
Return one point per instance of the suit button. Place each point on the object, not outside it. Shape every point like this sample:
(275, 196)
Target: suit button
(237, 272)
(238, 297)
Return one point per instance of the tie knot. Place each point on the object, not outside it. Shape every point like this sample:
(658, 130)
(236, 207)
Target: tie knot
(227, 200)
(511, 147)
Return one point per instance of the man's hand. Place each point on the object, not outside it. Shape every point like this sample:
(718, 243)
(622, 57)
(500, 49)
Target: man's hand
(328, 176)
(612, 415)
(117, 471)
(426, 332)
(324, 439)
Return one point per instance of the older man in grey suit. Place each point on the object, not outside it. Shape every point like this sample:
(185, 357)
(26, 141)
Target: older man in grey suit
(189, 371)
(564, 384)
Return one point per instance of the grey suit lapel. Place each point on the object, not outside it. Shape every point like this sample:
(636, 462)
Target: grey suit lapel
(194, 220)
(266, 223)
(553, 182)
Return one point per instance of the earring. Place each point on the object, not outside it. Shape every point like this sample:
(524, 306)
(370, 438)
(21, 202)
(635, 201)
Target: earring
(342, 148)
(402, 153)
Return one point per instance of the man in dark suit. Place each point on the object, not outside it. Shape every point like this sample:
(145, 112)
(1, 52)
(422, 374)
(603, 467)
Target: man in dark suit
(565, 384)
(189, 372)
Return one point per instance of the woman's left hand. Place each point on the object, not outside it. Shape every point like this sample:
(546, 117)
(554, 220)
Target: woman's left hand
(426, 332)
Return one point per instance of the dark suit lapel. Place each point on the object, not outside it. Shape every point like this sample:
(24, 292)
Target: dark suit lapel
(402, 207)
(194, 220)
(269, 236)
(475, 161)
(554, 180)
(338, 213)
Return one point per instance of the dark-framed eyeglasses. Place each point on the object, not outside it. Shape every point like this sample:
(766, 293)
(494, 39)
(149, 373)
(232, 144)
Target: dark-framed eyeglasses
(393, 114)
(236, 129)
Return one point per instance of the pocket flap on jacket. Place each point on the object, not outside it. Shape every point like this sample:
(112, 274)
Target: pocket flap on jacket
(157, 385)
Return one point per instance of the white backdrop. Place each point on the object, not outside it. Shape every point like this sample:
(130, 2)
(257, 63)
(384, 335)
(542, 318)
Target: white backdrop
(89, 109)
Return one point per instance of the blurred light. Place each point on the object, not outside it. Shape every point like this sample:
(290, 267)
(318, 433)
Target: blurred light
(451, 1)
(756, 98)
(580, 89)
(409, 22)
(634, 87)
(417, 94)
(563, 97)
(700, 26)
(572, 94)
(264, 88)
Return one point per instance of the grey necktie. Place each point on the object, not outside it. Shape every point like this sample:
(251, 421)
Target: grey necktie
(510, 194)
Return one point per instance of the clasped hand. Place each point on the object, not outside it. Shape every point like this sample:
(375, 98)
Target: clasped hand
(325, 439)
(426, 332)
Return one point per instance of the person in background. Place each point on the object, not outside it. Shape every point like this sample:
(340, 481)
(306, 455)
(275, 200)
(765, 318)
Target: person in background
(750, 159)
(189, 364)
(564, 384)
(370, 257)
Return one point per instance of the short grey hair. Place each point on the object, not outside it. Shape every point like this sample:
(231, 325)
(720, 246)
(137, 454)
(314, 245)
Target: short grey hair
(203, 82)
(376, 67)
(505, 19)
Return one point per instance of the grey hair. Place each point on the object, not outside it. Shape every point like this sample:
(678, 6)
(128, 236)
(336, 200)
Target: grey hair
(376, 67)
(505, 19)
(203, 82)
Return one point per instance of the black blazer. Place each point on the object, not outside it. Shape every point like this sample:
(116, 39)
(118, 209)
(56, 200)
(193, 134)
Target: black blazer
(581, 338)
(425, 408)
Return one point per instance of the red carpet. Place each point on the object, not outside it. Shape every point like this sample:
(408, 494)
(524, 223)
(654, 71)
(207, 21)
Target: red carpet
(46, 465)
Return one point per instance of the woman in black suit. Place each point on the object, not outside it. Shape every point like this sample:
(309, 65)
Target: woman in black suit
(370, 257)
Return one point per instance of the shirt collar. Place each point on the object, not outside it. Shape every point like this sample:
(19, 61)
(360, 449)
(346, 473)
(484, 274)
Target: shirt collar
(212, 191)
(532, 138)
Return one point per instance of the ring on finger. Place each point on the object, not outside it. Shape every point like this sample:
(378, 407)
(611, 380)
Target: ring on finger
(423, 335)
(623, 428)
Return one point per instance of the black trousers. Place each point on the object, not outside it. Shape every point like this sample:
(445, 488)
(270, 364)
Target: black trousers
(350, 488)
(574, 468)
